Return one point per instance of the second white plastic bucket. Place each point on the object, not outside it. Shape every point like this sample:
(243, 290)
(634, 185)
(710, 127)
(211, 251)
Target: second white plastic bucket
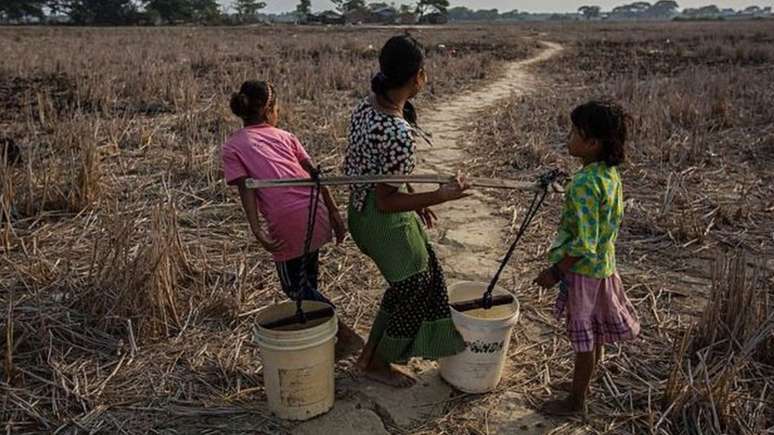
(298, 362)
(487, 335)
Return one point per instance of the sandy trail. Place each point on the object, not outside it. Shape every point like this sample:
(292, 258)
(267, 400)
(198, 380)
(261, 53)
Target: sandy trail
(471, 241)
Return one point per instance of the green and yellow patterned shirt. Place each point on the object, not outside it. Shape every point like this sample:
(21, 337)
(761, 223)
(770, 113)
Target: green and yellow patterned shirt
(592, 215)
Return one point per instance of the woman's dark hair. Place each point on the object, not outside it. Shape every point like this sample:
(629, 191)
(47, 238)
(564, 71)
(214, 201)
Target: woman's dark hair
(401, 59)
(606, 122)
(253, 100)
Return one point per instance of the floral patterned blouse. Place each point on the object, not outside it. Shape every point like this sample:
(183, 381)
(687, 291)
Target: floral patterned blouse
(379, 144)
(592, 216)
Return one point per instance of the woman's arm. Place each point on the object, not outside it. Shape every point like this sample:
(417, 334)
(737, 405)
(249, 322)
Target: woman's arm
(310, 167)
(427, 215)
(250, 206)
(339, 229)
(391, 200)
(551, 276)
(567, 263)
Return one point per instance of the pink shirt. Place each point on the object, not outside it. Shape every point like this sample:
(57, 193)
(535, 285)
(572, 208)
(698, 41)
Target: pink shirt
(265, 152)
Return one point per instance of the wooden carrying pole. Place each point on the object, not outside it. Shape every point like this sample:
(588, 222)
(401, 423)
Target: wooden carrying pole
(491, 183)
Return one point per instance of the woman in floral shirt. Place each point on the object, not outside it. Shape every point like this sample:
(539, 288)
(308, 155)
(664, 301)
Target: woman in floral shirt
(414, 318)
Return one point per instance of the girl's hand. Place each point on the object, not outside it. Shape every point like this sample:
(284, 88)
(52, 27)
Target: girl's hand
(428, 217)
(339, 228)
(455, 189)
(547, 279)
(268, 243)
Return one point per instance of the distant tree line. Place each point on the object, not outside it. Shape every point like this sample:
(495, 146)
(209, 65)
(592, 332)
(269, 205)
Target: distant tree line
(345, 7)
(126, 12)
(640, 10)
(137, 12)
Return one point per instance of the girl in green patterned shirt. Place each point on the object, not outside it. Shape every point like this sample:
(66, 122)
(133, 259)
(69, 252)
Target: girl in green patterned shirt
(583, 254)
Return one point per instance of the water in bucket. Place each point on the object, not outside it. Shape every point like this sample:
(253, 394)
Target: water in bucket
(487, 335)
(298, 362)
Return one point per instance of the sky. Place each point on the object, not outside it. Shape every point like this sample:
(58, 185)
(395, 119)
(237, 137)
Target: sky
(275, 6)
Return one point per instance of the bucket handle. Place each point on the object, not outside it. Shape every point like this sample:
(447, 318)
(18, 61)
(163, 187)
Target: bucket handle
(314, 203)
(545, 181)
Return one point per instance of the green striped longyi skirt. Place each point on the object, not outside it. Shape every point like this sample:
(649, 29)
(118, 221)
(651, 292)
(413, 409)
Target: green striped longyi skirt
(414, 318)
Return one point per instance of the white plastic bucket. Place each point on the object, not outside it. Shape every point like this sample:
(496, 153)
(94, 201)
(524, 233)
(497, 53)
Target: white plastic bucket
(298, 362)
(487, 335)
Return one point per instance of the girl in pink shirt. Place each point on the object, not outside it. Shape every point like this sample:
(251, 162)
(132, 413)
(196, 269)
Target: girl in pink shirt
(262, 151)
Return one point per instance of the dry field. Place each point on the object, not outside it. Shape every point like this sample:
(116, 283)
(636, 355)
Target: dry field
(697, 242)
(128, 280)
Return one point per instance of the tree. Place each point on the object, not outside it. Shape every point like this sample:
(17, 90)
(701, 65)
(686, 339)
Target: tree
(354, 5)
(424, 5)
(512, 15)
(589, 12)
(102, 12)
(486, 15)
(171, 11)
(460, 13)
(56, 7)
(664, 9)
(18, 9)
(248, 8)
(634, 10)
(206, 11)
(709, 11)
(304, 8)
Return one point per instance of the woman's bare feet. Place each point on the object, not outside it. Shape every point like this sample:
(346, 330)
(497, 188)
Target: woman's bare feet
(392, 375)
(349, 342)
(364, 360)
(369, 366)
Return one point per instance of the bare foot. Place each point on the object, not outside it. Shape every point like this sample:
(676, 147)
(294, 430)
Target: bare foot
(364, 360)
(563, 407)
(391, 375)
(349, 342)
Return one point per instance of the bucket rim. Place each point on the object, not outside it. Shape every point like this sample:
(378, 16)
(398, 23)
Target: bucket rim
(498, 289)
(265, 311)
(297, 339)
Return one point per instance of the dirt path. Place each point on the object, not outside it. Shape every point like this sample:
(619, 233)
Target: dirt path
(470, 233)
(470, 243)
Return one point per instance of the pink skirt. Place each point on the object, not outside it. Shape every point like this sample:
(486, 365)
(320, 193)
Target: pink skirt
(598, 311)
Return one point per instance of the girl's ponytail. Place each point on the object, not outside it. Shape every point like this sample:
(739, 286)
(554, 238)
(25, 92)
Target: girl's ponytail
(239, 104)
(379, 84)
